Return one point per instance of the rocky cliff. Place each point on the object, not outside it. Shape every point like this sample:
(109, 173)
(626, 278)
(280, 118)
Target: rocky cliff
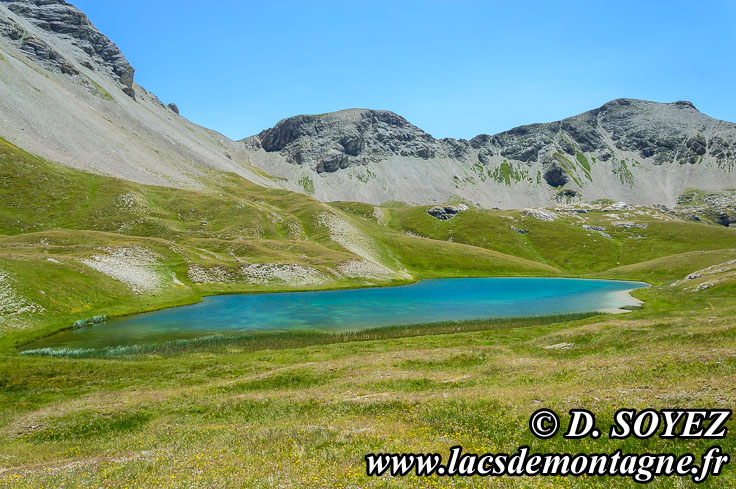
(630, 149)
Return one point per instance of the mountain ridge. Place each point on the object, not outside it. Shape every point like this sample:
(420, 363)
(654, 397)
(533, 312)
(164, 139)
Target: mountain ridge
(622, 134)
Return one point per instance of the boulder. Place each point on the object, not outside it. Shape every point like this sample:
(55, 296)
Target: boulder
(445, 212)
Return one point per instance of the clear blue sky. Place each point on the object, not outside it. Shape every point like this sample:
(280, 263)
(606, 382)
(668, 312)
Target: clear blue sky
(455, 68)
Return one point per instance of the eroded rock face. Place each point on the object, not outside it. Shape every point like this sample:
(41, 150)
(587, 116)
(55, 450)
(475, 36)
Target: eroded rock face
(64, 22)
(667, 133)
(555, 176)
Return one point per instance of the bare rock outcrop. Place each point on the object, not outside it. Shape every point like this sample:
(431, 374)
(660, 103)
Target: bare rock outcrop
(330, 142)
(445, 212)
(64, 23)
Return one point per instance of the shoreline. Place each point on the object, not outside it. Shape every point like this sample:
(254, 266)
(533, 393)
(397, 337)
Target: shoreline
(624, 296)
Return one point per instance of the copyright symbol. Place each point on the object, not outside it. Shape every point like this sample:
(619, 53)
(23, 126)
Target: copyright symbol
(544, 424)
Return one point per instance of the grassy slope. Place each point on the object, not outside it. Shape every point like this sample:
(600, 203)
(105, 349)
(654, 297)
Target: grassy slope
(303, 412)
(564, 243)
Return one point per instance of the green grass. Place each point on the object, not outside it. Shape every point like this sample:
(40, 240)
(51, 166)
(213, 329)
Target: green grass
(569, 167)
(506, 173)
(307, 184)
(585, 165)
(57, 213)
(302, 409)
(101, 92)
(621, 169)
(563, 243)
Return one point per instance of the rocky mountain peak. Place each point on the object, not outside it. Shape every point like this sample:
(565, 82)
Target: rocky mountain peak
(328, 142)
(59, 37)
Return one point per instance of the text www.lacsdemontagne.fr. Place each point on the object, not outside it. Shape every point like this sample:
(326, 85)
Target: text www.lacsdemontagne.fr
(642, 468)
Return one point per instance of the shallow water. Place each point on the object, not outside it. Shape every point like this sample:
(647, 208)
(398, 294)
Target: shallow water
(339, 310)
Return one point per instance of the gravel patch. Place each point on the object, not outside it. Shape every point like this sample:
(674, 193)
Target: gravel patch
(135, 267)
(258, 274)
(268, 273)
(363, 269)
(351, 238)
(296, 231)
(210, 275)
(540, 214)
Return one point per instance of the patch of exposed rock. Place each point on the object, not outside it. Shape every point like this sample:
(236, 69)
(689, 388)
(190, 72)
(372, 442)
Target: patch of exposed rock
(135, 267)
(12, 303)
(210, 275)
(445, 212)
(258, 274)
(629, 225)
(617, 207)
(540, 214)
(363, 269)
(709, 277)
(294, 275)
(350, 237)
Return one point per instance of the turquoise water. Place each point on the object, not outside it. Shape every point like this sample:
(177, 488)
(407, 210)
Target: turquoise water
(339, 310)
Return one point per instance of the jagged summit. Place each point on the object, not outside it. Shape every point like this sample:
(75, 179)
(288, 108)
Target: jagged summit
(350, 137)
(667, 132)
